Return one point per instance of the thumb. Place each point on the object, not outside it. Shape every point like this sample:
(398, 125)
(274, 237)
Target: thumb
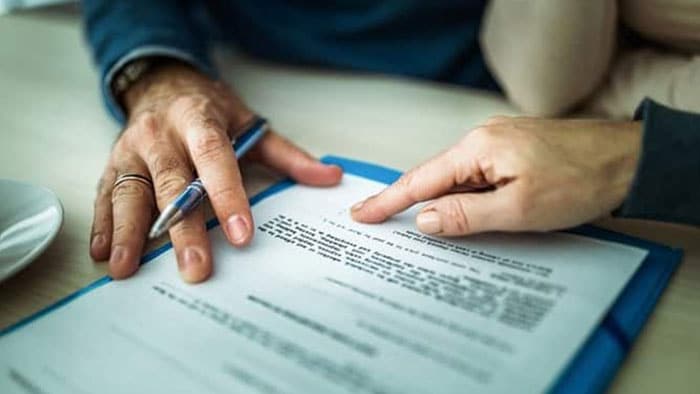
(464, 213)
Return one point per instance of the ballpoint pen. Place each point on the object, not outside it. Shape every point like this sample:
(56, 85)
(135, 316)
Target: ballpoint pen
(194, 193)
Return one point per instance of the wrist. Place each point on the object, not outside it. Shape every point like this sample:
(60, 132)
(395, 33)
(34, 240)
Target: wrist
(157, 73)
(630, 146)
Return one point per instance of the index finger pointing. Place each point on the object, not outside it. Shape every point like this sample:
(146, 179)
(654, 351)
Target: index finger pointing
(429, 180)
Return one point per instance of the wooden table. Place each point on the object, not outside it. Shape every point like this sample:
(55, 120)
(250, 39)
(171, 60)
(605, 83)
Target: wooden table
(55, 132)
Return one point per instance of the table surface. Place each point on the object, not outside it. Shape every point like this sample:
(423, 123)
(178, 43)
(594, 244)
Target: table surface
(55, 132)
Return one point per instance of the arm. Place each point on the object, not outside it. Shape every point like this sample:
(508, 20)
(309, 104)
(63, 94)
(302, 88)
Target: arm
(549, 55)
(178, 121)
(121, 31)
(667, 182)
(528, 174)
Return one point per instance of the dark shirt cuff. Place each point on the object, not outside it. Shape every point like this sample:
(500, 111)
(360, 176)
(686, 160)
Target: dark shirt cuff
(111, 101)
(124, 30)
(667, 183)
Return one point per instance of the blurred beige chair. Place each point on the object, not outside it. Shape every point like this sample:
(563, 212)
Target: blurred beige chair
(552, 57)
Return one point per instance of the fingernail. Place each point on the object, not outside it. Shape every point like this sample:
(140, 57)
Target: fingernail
(429, 222)
(358, 206)
(118, 258)
(237, 229)
(98, 242)
(191, 259)
(190, 265)
(117, 255)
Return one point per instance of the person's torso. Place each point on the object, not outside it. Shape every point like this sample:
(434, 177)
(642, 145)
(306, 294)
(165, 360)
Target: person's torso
(425, 39)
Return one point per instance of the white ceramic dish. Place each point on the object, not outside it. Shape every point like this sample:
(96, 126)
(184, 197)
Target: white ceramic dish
(30, 218)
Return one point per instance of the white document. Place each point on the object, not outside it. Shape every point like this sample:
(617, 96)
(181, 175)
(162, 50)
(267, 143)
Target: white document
(320, 304)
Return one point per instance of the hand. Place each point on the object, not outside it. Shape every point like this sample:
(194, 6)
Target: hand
(180, 122)
(517, 174)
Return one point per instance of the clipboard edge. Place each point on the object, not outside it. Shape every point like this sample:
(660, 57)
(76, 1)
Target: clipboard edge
(388, 175)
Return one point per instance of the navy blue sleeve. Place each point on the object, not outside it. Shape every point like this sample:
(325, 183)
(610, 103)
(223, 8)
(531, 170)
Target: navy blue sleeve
(124, 30)
(667, 182)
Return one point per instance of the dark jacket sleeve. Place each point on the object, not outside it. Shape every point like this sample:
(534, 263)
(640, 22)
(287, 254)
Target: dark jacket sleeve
(124, 30)
(667, 182)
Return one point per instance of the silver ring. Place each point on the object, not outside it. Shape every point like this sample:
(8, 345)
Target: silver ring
(132, 177)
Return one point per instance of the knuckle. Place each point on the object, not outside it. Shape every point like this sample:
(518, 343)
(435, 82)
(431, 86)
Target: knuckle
(455, 213)
(192, 107)
(406, 185)
(464, 164)
(184, 105)
(187, 229)
(209, 123)
(462, 173)
(129, 191)
(124, 229)
(224, 193)
(144, 125)
(147, 122)
(165, 164)
(455, 158)
(209, 146)
(170, 185)
(406, 181)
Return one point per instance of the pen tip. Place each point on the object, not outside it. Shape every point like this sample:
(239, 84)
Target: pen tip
(154, 233)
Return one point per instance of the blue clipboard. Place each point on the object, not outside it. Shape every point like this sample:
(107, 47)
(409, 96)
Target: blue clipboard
(595, 364)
